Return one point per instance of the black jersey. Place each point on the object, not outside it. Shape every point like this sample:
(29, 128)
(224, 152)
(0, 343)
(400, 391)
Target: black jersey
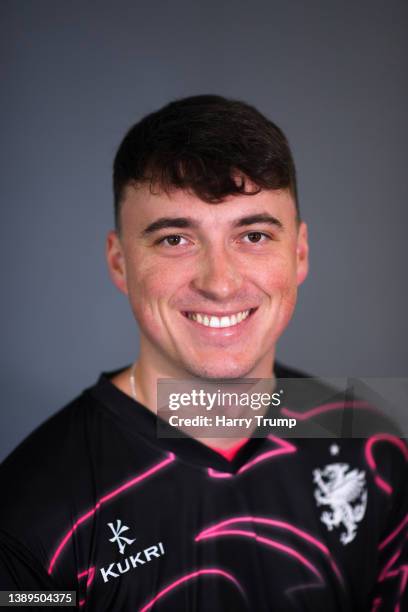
(94, 501)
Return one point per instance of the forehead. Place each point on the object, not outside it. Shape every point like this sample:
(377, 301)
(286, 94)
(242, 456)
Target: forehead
(142, 206)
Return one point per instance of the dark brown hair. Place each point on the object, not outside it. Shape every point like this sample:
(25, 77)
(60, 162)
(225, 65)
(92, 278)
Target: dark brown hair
(207, 145)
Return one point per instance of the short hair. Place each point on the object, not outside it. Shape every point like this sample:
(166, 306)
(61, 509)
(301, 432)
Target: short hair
(207, 145)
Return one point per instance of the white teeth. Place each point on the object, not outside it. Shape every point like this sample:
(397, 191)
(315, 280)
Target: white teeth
(213, 321)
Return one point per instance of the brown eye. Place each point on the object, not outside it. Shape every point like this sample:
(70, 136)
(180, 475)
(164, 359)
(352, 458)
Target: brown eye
(173, 240)
(255, 236)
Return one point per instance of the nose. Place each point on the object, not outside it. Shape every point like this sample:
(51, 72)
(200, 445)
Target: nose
(218, 276)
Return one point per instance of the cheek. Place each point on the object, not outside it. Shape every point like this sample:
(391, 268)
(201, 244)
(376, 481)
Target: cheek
(279, 277)
(145, 294)
(279, 283)
(151, 289)
(281, 287)
(146, 282)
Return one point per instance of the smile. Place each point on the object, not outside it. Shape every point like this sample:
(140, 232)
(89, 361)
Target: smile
(210, 320)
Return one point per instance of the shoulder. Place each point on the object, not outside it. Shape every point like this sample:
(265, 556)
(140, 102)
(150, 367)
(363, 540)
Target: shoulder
(53, 443)
(59, 476)
(331, 407)
(50, 468)
(348, 425)
(42, 480)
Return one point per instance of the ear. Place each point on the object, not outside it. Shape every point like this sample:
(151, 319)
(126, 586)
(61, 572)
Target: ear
(116, 261)
(302, 253)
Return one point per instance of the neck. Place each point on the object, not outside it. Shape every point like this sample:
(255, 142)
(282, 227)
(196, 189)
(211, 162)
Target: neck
(146, 373)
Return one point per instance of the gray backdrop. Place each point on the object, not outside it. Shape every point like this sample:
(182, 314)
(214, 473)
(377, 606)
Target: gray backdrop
(77, 74)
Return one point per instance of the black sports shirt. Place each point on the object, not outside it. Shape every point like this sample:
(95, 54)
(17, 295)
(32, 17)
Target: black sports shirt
(93, 501)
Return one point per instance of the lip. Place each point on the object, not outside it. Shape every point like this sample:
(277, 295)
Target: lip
(232, 333)
(227, 313)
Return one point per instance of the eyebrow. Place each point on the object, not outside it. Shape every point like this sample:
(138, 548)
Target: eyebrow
(259, 218)
(164, 222)
(188, 222)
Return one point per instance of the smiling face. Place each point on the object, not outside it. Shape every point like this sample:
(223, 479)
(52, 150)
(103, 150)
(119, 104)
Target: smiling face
(212, 286)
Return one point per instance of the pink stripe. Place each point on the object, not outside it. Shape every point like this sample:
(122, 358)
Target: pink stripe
(215, 474)
(300, 587)
(368, 451)
(383, 437)
(383, 485)
(308, 414)
(401, 570)
(394, 533)
(290, 551)
(103, 500)
(285, 448)
(265, 521)
(376, 604)
(273, 523)
(186, 578)
(385, 573)
(272, 543)
(404, 580)
(91, 575)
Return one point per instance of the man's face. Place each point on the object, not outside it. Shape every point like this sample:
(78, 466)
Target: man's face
(212, 286)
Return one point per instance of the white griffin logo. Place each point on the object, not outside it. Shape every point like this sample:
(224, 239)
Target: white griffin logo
(339, 489)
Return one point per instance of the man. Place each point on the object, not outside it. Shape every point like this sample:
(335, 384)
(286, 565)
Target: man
(209, 248)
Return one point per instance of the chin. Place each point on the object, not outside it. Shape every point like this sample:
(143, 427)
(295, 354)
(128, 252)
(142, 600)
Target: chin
(222, 370)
